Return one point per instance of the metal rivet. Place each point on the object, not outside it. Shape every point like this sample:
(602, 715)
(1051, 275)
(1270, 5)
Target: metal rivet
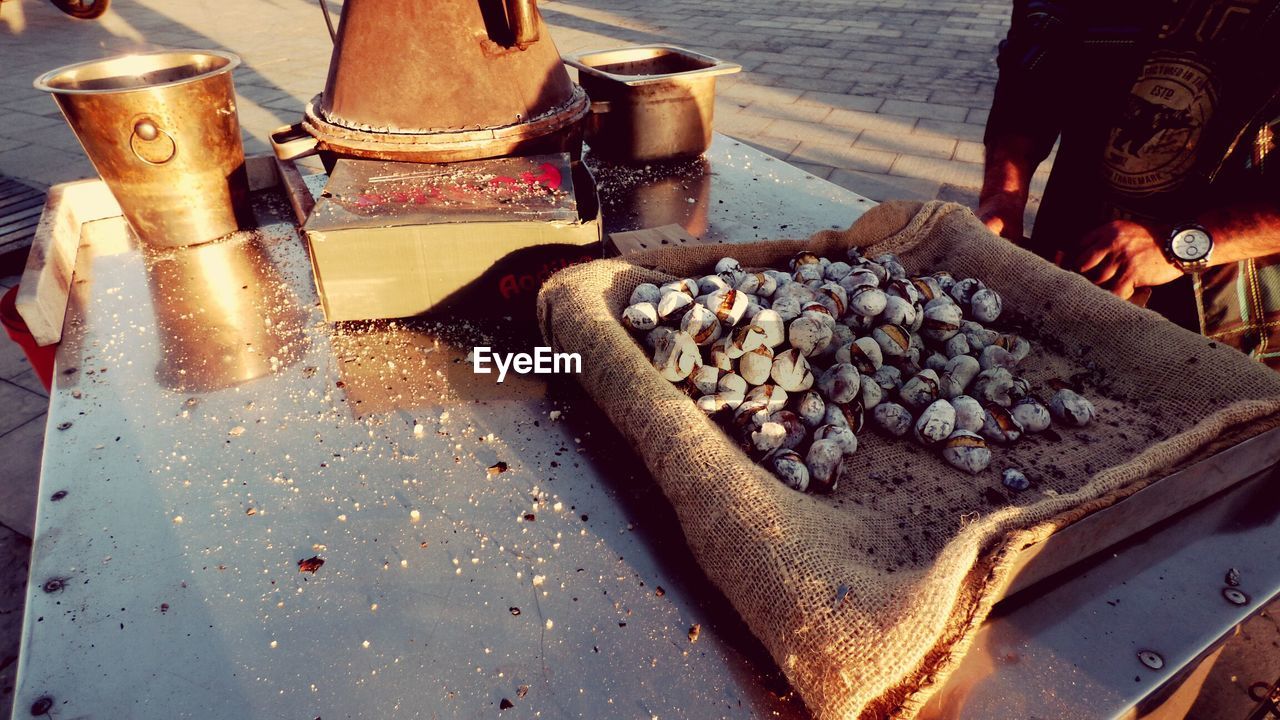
(58, 495)
(42, 706)
(1235, 597)
(146, 129)
(1150, 659)
(52, 585)
(64, 425)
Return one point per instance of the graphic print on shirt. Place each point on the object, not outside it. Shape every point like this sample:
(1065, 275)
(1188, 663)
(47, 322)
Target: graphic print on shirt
(1153, 146)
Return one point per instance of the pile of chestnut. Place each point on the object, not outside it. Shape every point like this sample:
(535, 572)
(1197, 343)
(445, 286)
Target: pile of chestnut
(790, 362)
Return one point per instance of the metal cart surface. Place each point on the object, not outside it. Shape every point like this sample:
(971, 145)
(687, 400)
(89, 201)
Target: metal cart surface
(320, 521)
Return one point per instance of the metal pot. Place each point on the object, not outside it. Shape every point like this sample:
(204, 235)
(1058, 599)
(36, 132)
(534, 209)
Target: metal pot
(652, 102)
(162, 131)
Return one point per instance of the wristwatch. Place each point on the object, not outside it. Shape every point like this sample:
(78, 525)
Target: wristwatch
(1188, 247)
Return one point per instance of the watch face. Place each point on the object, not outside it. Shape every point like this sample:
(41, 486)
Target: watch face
(1191, 244)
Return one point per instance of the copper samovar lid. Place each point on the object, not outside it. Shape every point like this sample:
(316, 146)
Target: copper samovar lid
(442, 81)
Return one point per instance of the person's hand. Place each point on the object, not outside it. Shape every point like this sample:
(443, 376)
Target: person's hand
(1121, 257)
(1002, 213)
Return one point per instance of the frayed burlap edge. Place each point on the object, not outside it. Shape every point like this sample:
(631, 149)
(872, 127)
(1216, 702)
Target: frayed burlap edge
(998, 537)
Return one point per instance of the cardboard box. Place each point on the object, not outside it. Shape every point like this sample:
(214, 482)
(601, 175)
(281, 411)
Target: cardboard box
(391, 239)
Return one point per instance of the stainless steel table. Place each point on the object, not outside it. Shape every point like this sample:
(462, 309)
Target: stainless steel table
(246, 512)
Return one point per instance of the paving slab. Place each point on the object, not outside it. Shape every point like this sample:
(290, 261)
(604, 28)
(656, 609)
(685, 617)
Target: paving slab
(881, 187)
(810, 53)
(40, 105)
(924, 110)
(812, 133)
(823, 84)
(844, 158)
(58, 136)
(21, 475)
(906, 143)
(946, 171)
(745, 90)
(864, 76)
(42, 165)
(967, 151)
(979, 99)
(777, 147)
(948, 129)
(735, 121)
(864, 103)
(963, 194)
(801, 71)
(15, 556)
(31, 383)
(19, 405)
(18, 123)
(871, 121)
(13, 362)
(812, 114)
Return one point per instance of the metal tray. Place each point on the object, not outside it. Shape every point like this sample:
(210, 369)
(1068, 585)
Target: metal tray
(650, 102)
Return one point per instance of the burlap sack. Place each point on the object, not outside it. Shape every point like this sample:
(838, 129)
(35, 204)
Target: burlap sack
(865, 598)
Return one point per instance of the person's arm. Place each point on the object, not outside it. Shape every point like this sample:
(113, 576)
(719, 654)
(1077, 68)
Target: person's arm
(1011, 160)
(1242, 232)
(1023, 123)
(1123, 256)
